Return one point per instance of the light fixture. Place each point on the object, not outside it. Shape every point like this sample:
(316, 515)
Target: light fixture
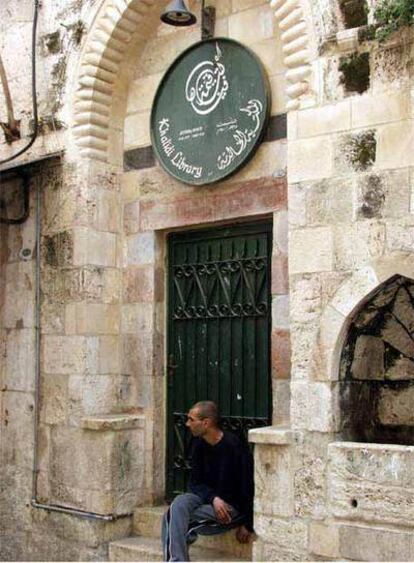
(178, 14)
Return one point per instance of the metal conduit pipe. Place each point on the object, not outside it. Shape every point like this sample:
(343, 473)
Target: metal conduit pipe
(35, 471)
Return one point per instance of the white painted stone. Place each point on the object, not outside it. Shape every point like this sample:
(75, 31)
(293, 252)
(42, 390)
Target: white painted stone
(310, 159)
(324, 120)
(313, 406)
(353, 290)
(311, 250)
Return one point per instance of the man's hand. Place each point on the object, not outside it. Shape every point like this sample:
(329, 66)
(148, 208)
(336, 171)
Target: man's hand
(222, 510)
(243, 535)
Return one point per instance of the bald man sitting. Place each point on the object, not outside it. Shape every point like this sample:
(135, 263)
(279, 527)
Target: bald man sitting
(221, 487)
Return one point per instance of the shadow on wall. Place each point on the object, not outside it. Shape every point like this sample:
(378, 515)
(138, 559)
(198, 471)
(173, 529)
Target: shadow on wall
(377, 368)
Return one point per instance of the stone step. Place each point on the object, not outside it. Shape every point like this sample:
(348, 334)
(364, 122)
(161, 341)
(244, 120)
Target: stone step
(147, 523)
(149, 549)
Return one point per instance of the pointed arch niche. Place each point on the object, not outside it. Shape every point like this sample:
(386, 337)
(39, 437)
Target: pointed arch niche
(377, 367)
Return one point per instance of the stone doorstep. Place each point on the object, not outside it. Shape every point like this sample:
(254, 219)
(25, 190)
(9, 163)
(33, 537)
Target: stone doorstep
(149, 549)
(147, 523)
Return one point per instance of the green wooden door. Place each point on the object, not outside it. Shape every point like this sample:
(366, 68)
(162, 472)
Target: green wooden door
(219, 334)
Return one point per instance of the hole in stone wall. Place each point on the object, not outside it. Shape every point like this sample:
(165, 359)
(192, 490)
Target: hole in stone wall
(377, 368)
(354, 503)
(355, 71)
(354, 13)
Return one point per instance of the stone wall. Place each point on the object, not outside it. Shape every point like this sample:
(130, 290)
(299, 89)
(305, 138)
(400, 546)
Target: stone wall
(346, 221)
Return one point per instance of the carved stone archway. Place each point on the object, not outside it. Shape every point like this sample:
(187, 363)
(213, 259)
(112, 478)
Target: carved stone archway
(119, 22)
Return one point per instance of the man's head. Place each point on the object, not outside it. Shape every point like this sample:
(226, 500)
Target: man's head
(202, 418)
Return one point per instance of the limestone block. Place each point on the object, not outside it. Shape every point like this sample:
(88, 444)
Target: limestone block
(400, 235)
(354, 289)
(329, 202)
(368, 110)
(274, 494)
(395, 142)
(140, 249)
(96, 471)
(280, 311)
(313, 406)
(241, 28)
(239, 5)
(285, 537)
(18, 311)
(130, 185)
(331, 338)
(278, 87)
(107, 212)
(91, 394)
(310, 159)
(92, 318)
(16, 485)
(304, 342)
(137, 130)
(297, 204)
(384, 195)
(280, 274)
(395, 407)
(371, 482)
(18, 358)
(368, 360)
(311, 250)
(131, 217)
(93, 247)
(137, 355)
(141, 93)
(358, 244)
(108, 354)
(280, 231)
(306, 298)
(281, 401)
(17, 430)
(92, 533)
(281, 352)
(270, 54)
(54, 399)
(52, 320)
(140, 284)
(137, 317)
(324, 539)
(64, 354)
(160, 51)
(323, 120)
(361, 543)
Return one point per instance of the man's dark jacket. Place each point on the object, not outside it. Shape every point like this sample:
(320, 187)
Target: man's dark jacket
(224, 470)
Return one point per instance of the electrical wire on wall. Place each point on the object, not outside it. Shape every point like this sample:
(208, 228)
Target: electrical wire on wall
(34, 95)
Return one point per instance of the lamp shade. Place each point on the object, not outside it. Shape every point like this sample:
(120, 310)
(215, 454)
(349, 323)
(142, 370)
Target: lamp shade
(178, 14)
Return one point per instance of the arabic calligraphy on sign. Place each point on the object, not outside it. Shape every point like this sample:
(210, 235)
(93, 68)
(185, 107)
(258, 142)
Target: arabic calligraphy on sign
(207, 85)
(242, 138)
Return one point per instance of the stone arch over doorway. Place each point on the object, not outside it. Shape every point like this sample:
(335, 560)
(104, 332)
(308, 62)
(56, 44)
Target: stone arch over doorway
(116, 27)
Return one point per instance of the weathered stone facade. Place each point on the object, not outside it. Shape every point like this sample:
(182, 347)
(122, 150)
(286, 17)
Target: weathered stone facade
(83, 291)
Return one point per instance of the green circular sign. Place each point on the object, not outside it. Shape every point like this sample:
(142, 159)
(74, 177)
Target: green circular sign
(210, 111)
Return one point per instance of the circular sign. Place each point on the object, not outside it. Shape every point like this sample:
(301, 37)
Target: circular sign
(210, 111)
